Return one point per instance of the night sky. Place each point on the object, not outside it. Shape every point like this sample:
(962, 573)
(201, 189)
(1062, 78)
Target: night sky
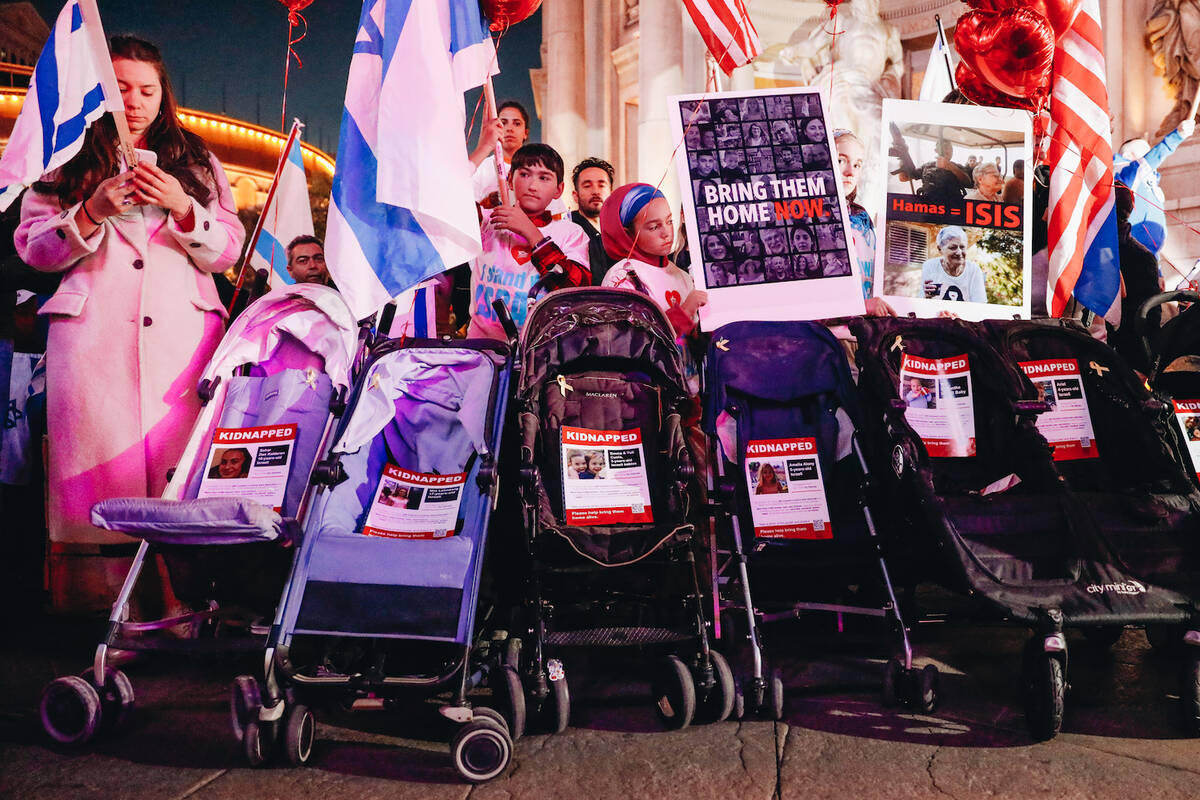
(228, 56)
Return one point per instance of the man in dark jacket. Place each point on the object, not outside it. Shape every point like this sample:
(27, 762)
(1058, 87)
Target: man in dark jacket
(593, 182)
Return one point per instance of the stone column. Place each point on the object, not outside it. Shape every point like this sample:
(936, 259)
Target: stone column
(659, 74)
(564, 127)
(597, 66)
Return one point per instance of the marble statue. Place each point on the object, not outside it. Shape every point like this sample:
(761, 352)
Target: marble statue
(864, 63)
(1173, 29)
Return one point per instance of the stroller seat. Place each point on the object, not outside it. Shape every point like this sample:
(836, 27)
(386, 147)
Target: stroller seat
(428, 410)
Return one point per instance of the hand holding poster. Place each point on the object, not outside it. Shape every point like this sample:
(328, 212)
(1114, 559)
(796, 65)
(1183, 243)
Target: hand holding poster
(251, 463)
(787, 496)
(766, 222)
(940, 408)
(415, 505)
(1067, 426)
(956, 234)
(604, 477)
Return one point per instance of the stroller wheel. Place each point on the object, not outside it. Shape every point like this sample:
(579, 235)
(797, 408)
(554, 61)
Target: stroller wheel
(893, 674)
(512, 653)
(300, 730)
(1104, 637)
(70, 710)
(775, 696)
(717, 703)
(1189, 694)
(929, 685)
(481, 749)
(674, 693)
(116, 697)
(244, 702)
(739, 702)
(556, 709)
(256, 743)
(1045, 689)
(509, 698)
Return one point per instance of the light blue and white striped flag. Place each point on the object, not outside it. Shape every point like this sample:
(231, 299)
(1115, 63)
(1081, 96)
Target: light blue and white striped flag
(67, 93)
(286, 214)
(937, 84)
(402, 208)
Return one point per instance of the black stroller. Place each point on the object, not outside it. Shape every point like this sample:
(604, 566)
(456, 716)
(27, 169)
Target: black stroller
(788, 483)
(607, 484)
(984, 496)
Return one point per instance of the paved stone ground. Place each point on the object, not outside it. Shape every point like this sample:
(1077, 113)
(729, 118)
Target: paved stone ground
(1120, 739)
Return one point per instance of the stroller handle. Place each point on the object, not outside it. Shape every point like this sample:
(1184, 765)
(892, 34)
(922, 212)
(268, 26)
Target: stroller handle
(1142, 323)
(506, 321)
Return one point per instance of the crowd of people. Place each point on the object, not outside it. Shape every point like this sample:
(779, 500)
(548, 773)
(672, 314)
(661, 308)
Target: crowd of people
(137, 314)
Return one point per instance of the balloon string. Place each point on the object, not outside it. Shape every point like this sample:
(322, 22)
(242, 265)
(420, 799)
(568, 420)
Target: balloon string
(294, 18)
(833, 34)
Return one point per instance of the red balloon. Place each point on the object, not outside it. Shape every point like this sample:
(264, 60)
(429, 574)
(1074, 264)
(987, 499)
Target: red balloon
(503, 13)
(296, 5)
(1013, 50)
(1059, 13)
(977, 90)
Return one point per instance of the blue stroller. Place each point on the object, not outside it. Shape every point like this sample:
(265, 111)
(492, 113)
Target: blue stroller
(283, 366)
(788, 484)
(382, 599)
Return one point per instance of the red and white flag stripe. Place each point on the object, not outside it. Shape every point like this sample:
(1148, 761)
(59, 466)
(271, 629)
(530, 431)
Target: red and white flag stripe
(1084, 261)
(727, 31)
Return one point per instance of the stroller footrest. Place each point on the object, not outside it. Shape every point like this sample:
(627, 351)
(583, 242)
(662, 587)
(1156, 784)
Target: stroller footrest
(211, 520)
(615, 637)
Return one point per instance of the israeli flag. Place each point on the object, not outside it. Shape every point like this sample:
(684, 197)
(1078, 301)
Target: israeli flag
(286, 214)
(67, 93)
(402, 207)
(937, 84)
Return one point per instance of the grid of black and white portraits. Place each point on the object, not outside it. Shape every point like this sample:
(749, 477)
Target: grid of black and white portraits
(749, 142)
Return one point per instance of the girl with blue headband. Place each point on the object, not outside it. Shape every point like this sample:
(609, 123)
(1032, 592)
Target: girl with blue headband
(636, 228)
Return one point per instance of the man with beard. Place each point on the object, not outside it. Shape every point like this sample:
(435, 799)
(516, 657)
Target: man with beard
(593, 182)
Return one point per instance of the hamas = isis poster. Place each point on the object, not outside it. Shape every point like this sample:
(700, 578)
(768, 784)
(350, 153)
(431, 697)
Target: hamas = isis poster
(954, 232)
(766, 222)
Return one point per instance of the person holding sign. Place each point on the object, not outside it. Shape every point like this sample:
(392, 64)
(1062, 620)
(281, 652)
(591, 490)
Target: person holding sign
(137, 316)
(862, 227)
(637, 227)
(950, 276)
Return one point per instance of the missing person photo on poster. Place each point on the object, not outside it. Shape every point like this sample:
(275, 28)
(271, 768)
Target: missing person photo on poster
(766, 222)
(955, 233)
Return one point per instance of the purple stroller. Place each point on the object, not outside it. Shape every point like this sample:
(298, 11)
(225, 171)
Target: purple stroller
(271, 392)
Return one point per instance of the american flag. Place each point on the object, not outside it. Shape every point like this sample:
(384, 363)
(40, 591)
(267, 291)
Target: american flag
(727, 31)
(1082, 219)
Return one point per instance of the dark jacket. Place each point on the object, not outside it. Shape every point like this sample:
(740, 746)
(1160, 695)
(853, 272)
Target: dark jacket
(597, 258)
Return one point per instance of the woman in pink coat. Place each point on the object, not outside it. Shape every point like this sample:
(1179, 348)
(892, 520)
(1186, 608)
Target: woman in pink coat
(135, 319)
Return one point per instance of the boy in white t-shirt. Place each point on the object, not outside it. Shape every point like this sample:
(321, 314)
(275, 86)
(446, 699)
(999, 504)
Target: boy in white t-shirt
(522, 244)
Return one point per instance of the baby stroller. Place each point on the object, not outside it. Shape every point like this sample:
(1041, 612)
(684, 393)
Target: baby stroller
(1134, 480)
(269, 392)
(382, 599)
(788, 481)
(606, 480)
(985, 501)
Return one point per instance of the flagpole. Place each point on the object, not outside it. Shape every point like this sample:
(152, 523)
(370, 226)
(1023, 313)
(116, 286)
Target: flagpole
(489, 93)
(937, 18)
(108, 79)
(258, 226)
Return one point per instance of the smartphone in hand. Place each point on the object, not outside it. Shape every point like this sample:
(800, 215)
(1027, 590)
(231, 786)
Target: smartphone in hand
(146, 156)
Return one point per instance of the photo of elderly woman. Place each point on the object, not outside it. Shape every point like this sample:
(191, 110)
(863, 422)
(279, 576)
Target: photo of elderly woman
(950, 275)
